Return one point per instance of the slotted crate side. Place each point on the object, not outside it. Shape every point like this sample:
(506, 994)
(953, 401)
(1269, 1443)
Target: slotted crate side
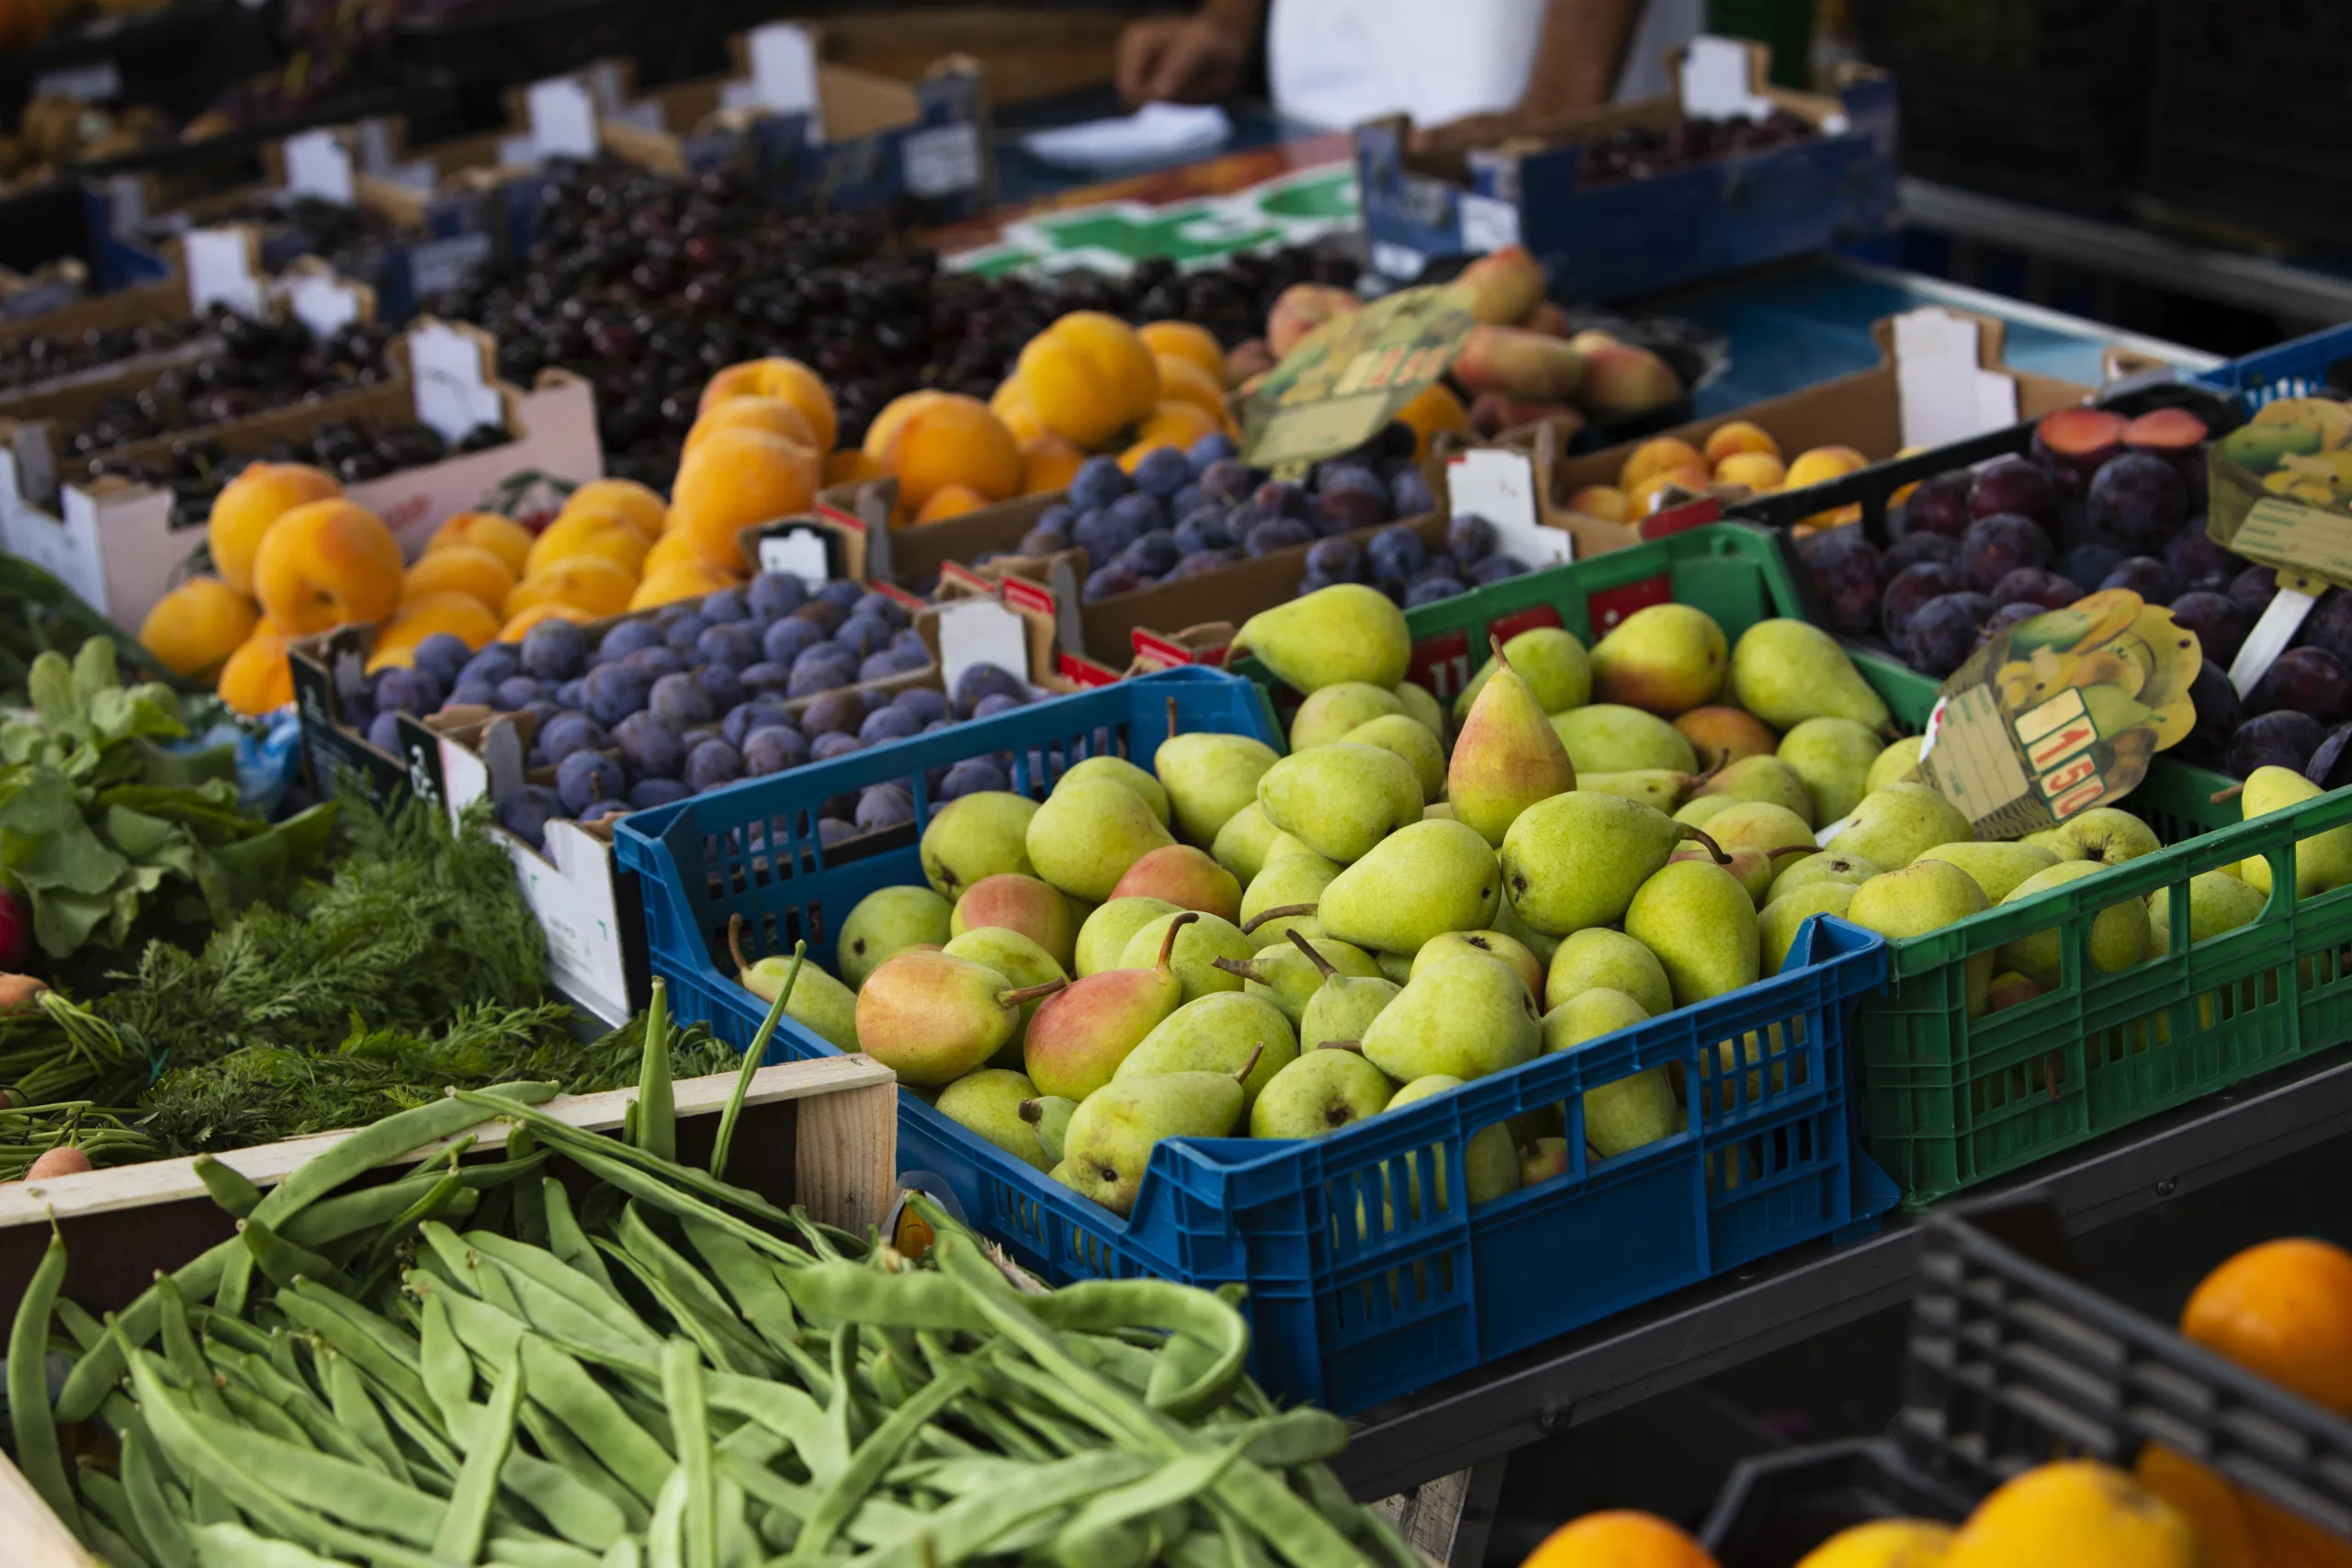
(2319, 364)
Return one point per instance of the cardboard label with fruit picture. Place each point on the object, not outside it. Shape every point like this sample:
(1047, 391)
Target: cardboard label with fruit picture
(2279, 493)
(1347, 379)
(2061, 713)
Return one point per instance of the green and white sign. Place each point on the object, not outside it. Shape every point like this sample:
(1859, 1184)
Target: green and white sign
(1112, 236)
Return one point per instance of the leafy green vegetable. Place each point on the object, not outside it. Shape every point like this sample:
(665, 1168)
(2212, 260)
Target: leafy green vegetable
(100, 826)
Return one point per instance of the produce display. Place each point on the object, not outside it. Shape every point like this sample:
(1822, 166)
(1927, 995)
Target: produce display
(260, 364)
(1638, 151)
(55, 132)
(1739, 459)
(35, 359)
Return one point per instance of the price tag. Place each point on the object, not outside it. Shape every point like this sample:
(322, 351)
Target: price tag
(1488, 224)
(323, 302)
(1401, 263)
(220, 271)
(2271, 635)
(94, 82)
(439, 265)
(1719, 80)
(563, 119)
(980, 631)
(452, 378)
(1945, 395)
(1499, 486)
(1348, 378)
(784, 73)
(797, 552)
(319, 164)
(70, 550)
(942, 161)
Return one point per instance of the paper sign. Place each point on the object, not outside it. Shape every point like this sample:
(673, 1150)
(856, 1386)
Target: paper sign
(2062, 713)
(1499, 486)
(323, 302)
(220, 271)
(317, 163)
(1718, 81)
(980, 631)
(784, 73)
(440, 264)
(1488, 224)
(1348, 378)
(797, 552)
(1401, 263)
(453, 393)
(942, 161)
(2271, 635)
(1944, 393)
(563, 119)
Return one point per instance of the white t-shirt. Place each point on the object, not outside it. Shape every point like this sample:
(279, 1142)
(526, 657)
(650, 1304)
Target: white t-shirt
(1334, 64)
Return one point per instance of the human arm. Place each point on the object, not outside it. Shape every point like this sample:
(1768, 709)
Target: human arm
(1188, 60)
(1579, 50)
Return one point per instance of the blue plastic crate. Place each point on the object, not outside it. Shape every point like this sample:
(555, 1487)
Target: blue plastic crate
(2300, 367)
(1356, 1294)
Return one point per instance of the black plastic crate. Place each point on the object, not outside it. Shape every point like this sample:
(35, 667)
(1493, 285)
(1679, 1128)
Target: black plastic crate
(2044, 99)
(486, 47)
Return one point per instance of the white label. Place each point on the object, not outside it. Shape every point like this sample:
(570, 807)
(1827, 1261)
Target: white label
(784, 72)
(1401, 262)
(438, 264)
(317, 163)
(67, 549)
(571, 890)
(563, 119)
(2270, 637)
(1944, 394)
(943, 160)
(606, 82)
(980, 631)
(1821, 839)
(1488, 224)
(452, 391)
(220, 271)
(796, 552)
(376, 155)
(91, 84)
(1716, 81)
(1499, 486)
(323, 302)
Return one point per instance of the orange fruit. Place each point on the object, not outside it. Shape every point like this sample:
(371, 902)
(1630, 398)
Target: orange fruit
(1433, 408)
(249, 503)
(2281, 1539)
(625, 499)
(256, 679)
(588, 534)
(1883, 1543)
(461, 569)
(2209, 1503)
(197, 626)
(421, 615)
(522, 621)
(1170, 425)
(950, 501)
(1656, 456)
(2073, 1515)
(849, 466)
(1738, 436)
(1088, 375)
(777, 377)
(894, 414)
(1618, 1539)
(1821, 463)
(501, 536)
(1182, 381)
(1184, 340)
(736, 477)
(2282, 1309)
(593, 583)
(681, 580)
(1605, 502)
(1010, 402)
(1760, 471)
(329, 563)
(952, 440)
(668, 550)
(1048, 463)
(1643, 499)
(772, 414)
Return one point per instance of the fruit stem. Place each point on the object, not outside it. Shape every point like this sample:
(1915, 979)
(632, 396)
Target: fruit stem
(1252, 1064)
(1032, 1112)
(1355, 1046)
(1172, 716)
(1495, 646)
(2218, 796)
(1278, 912)
(735, 943)
(1168, 942)
(1244, 967)
(1322, 965)
(1714, 848)
(1028, 993)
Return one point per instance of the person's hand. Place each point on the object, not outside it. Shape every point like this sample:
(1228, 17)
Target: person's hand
(1183, 59)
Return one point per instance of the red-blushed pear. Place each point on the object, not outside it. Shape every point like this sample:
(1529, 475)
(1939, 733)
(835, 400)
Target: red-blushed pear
(1029, 905)
(1187, 878)
(932, 1017)
(1508, 756)
(1079, 1038)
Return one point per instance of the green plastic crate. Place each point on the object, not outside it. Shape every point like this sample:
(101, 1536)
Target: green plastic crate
(1950, 1101)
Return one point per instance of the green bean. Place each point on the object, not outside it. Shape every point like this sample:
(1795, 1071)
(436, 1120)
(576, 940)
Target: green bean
(181, 1354)
(404, 1131)
(207, 1503)
(788, 1412)
(158, 1524)
(234, 1546)
(211, 1323)
(357, 1493)
(763, 1484)
(31, 1419)
(433, 1450)
(682, 1391)
(530, 1205)
(873, 1457)
(657, 1107)
(622, 1555)
(80, 1327)
(551, 1274)
(1171, 1485)
(105, 1503)
(466, 1519)
(730, 1350)
(974, 1523)
(448, 1371)
(87, 1385)
(663, 1547)
(336, 1322)
(280, 1259)
(568, 1241)
(229, 1187)
(112, 1548)
(564, 1389)
(754, 1285)
(251, 1409)
(236, 1283)
(447, 1199)
(680, 1278)
(752, 1056)
(355, 1412)
(555, 1440)
(517, 1552)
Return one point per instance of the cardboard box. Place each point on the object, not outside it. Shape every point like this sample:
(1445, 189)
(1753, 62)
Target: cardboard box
(117, 544)
(145, 304)
(1636, 236)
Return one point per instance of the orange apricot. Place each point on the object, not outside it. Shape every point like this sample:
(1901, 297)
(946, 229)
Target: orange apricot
(1088, 375)
(501, 536)
(634, 503)
(329, 563)
(736, 477)
(195, 627)
(953, 440)
(461, 569)
(257, 678)
(249, 503)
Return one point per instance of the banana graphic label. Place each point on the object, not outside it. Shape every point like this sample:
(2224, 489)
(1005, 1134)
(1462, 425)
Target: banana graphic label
(2061, 713)
(2279, 487)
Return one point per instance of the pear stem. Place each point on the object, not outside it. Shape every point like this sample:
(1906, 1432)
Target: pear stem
(1029, 993)
(1168, 942)
(1714, 848)
(1032, 1112)
(735, 942)
(1171, 718)
(1495, 646)
(1252, 1064)
(1280, 912)
(2220, 796)
(1355, 1046)
(1241, 966)
(1322, 965)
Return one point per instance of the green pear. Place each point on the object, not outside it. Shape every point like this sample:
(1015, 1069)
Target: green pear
(818, 1001)
(987, 1101)
(1199, 944)
(2322, 861)
(1102, 940)
(1282, 846)
(1397, 967)
(1019, 960)
(1048, 1118)
(1506, 758)
(1285, 897)
(1765, 780)
(1996, 867)
(1895, 825)
(1777, 925)
(1774, 831)
(932, 1017)
(1029, 905)
(1078, 1039)
(1240, 845)
(1588, 1015)
(2218, 902)
(1899, 763)
(1629, 1113)
(1575, 860)
(2106, 835)
(1751, 867)
(1209, 778)
(885, 920)
(1410, 739)
(1287, 977)
(1660, 789)
(1330, 712)
(2009, 987)
(1785, 671)
(1609, 738)
(1110, 1133)
(1215, 1034)
(1603, 959)
(1700, 923)
(1469, 1016)
(1339, 800)
(1087, 834)
(1346, 632)
(1119, 770)
(1926, 896)
(1546, 1159)
(1833, 756)
(1662, 658)
(1343, 1005)
(1505, 950)
(1421, 707)
(1823, 865)
(2119, 934)
(1549, 660)
(1438, 811)
(1489, 1159)
(1507, 922)
(975, 836)
(1425, 878)
(1061, 1173)
(1321, 1092)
